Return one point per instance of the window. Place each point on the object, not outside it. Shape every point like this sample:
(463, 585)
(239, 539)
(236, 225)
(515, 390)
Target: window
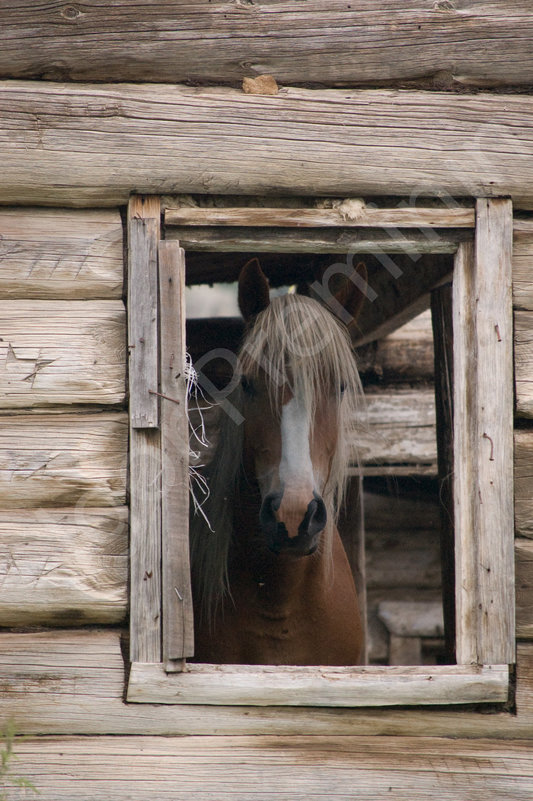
(477, 445)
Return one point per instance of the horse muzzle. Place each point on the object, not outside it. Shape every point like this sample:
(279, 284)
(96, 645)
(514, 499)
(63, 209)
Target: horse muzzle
(309, 530)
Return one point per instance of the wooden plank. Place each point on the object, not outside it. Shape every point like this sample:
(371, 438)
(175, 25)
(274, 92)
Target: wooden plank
(352, 212)
(240, 685)
(524, 588)
(103, 140)
(203, 768)
(143, 238)
(178, 628)
(442, 317)
(60, 254)
(61, 352)
(523, 482)
(473, 43)
(316, 240)
(63, 460)
(63, 566)
(523, 362)
(523, 271)
(145, 443)
(483, 434)
(72, 682)
(400, 557)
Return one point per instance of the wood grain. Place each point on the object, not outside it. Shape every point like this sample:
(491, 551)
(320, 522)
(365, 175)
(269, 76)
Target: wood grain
(523, 362)
(61, 353)
(483, 435)
(63, 460)
(244, 685)
(523, 482)
(91, 144)
(72, 682)
(523, 272)
(178, 624)
(524, 588)
(63, 567)
(469, 43)
(63, 253)
(145, 442)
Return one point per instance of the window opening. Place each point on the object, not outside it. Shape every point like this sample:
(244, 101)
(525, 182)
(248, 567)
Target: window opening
(481, 673)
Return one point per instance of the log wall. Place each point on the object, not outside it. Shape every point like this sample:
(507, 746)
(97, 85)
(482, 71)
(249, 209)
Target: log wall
(441, 44)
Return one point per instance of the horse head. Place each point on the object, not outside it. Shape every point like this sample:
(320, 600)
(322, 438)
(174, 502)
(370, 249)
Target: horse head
(296, 366)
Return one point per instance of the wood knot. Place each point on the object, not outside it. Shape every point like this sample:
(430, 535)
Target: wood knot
(70, 12)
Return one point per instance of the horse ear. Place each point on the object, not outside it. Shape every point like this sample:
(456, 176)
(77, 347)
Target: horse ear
(253, 289)
(352, 293)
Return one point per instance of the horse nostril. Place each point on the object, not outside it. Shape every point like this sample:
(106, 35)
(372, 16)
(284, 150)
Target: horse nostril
(315, 518)
(267, 515)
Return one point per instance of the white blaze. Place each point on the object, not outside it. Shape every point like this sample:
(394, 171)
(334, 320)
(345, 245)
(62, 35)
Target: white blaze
(295, 466)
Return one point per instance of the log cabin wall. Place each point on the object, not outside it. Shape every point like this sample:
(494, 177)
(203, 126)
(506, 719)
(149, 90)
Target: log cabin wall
(411, 74)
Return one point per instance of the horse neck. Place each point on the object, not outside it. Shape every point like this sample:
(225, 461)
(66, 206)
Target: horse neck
(283, 581)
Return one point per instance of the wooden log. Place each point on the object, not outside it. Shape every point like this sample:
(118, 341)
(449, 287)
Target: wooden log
(522, 271)
(61, 353)
(523, 482)
(398, 428)
(60, 254)
(404, 355)
(63, 567)
(246, 685)
(317, 240)
(352, 212)
(92, 144)
(523, 362)
(399, 557)
(178, 624)
(63, 460)
(474, 43)
(124, 768)
(524, 588)
(72, 682)
(145, 442)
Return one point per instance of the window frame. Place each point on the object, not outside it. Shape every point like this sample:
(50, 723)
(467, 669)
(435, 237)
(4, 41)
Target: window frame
(160, 616)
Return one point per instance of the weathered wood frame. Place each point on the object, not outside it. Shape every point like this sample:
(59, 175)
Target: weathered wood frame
(483, 492)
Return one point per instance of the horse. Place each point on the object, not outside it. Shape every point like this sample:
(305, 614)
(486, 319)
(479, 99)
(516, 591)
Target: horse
(271, 580)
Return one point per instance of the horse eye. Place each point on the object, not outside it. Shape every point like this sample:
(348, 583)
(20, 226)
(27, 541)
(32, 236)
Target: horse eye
(342, 387)
(248, 387)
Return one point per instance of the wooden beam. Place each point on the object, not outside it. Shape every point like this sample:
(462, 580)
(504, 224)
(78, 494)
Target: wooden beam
(473, 44)
(523, 361)
(62, 352)
(93, 144)
(523, 271)
(242, 685)
(524, 588)
(483, 436)
(349, 213)
(523, 482)
(62, 253)
(145, 441)
(63, 460)
(178, 628)
(63, 566)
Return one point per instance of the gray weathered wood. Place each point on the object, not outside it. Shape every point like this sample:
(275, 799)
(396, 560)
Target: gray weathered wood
(63, 352)
(524, 588)
(523, 271)
(242, 685)
(72, 682)
(523, 482)
(473, 43)
(316, 240)
(351, 212)
(483, 433)
(178, 629)
(145, 443)
(92, 144)
(63, 460)
(523, 362)
(275, 768)
(63, 567)
(143, 238)
(63, 253)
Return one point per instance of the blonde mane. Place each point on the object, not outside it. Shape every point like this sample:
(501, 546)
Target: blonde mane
(297, 341)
